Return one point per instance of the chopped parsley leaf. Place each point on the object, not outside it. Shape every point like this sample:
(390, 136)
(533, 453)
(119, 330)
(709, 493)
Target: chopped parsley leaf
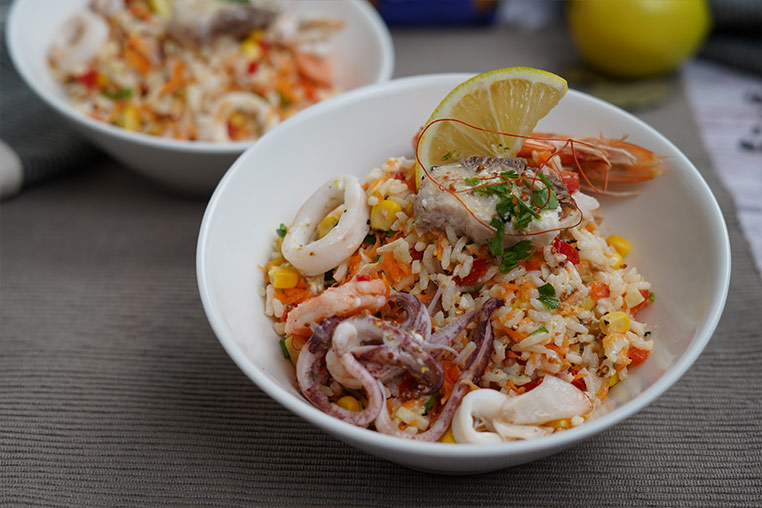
(545, 199)
(430, 403)
(284, 349)
(547, 290)
(539, 330)
(124, 93)
(472, 181)
(496, 245)
(651, 297)
(509, 175)
(499, 189)
(282, 230)
(550, 303)
(447, 156)
(378, 256)
(515, 255)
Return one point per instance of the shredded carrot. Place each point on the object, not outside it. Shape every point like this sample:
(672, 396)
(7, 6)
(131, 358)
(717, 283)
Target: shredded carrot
(525, 291)
(137, 60)
(177, 79)
(296, 295)
(515, 334)
(394, 268)
(603, 392)
(410, 403)
(452, 374)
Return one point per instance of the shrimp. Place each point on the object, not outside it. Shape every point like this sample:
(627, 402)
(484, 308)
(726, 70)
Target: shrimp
(345, 300)
(600, 161)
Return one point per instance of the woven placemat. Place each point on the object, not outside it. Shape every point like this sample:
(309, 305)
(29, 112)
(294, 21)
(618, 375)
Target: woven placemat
(115, 392)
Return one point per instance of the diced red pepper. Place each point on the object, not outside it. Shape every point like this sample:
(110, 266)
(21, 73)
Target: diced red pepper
(532, 384)
(567, 250)
(599, 290)
(363, 277)
(637, 356)
(89, 79)
(535, 262)
(416, 254)
(253, 66)
(571, 180)
(645, 303)
(478, 269)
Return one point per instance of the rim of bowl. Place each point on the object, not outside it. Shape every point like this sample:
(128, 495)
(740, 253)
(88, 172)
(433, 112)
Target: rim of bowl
(306, 411)
(383, 74)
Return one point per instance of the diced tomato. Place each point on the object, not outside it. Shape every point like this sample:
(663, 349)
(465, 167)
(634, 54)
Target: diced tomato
(253, 66)
(645, 303)
(363, 277)
(532, 384)
(478, 269)
(580, 383)
(535, 262)
(599, 290)
(233, 131)
(571, 180)
(416, 254)
(89, 79)
(637, 356)
(567, 250)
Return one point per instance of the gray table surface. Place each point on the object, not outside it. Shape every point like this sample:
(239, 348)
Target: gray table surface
(115, 392)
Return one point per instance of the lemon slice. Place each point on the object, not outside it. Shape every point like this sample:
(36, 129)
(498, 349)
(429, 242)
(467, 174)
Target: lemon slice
(510, 100)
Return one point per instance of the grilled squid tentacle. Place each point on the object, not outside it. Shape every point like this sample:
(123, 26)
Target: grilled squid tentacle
(475, 366)
(79, 40)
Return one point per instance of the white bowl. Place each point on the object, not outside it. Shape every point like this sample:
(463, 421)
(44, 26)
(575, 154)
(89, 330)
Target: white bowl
(673, 220)
(362, 54)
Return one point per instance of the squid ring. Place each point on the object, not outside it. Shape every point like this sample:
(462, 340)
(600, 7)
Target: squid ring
(242, 101)
(316, 257)
(80, 40)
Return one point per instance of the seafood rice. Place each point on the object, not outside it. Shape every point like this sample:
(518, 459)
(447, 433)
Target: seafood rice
(210, 70)
(477, 303)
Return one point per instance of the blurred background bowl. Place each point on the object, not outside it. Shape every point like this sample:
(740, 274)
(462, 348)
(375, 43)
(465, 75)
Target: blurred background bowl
(362, 54)
(669, 222)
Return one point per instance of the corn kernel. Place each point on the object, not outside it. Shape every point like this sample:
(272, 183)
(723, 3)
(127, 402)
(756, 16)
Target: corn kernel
(102, 80)
(161, 7)
(283, 277)
(613, 380)
(251, 48)
(131, 118)
(563, 423)
(326, 225)
(588, 304)
(618, 261)
(294, 344)
(349, 403)
(447, 437)
(615, 322)
(619, 243)
(383, 215)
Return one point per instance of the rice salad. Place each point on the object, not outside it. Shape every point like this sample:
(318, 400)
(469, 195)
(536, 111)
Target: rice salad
(199, 70)
(425, 330)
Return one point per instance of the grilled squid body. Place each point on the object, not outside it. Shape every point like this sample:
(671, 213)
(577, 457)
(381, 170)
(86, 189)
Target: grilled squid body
(318, 256)
(509, 418)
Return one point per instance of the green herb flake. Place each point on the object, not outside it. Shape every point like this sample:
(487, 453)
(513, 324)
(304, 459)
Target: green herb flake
(539, 330)
(430, 403)
(651, 297)
(476, 289)
(124, 93)
(547, 290)
(545, 199)
(371, 238)
(472, 181)
(447, 156)
(550, 303)
(496, 245)
(515, 255)
(282, 230)
(284, 349)
(377, 258)
(509, 175)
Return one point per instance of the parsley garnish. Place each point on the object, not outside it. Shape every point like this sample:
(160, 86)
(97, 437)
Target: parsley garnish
(539, 330)
(515, 255)
(284, 349)
(282, 230)
(472, 181)
(509, 175)
(447, 156)
(496, 245)
(378, 256)
(651, 297)
(547, 296)
(124, 93)
(499, 189)
(430, 403)
(540, 197)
